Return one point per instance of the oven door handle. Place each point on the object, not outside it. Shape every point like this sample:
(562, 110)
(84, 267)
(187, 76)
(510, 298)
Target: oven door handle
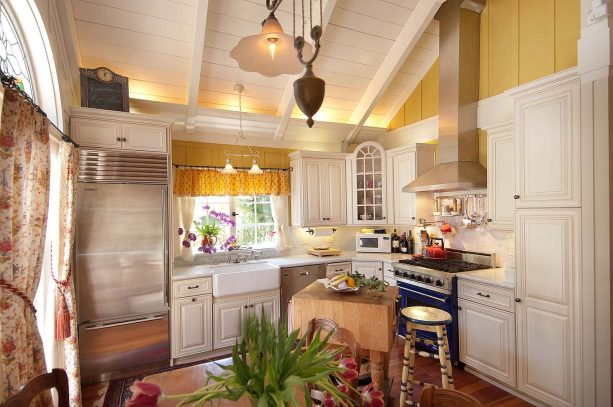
(425, 295)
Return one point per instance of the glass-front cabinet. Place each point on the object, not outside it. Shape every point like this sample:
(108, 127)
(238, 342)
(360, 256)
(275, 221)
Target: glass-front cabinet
(369, 199)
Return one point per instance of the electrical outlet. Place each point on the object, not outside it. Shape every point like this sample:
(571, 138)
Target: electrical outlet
(512, 249)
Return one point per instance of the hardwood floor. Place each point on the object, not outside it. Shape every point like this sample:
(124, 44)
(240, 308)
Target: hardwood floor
(425, 369)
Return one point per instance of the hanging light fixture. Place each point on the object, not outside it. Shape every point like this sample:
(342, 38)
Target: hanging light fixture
(309, 91)
(229, 168)
(269, 53)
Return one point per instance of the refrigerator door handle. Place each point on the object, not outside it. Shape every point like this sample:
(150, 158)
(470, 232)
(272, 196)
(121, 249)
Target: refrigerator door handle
(132, 321)
(165, 236)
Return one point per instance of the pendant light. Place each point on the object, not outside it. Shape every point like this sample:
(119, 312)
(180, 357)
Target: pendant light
(229, 168)
(309, 91)
(269, 53)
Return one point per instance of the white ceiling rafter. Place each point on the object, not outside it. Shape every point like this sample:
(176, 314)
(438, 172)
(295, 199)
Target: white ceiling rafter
(193, 84)
(410, 87)
(414, 27)
(286, 106)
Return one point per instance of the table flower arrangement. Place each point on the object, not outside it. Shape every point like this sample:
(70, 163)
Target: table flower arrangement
(210, 228)
(268, 366)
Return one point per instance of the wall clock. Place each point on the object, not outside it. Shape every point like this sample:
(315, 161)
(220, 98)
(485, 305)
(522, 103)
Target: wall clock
(102, 88)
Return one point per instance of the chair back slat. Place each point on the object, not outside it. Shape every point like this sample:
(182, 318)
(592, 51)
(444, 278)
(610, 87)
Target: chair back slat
(56, 379)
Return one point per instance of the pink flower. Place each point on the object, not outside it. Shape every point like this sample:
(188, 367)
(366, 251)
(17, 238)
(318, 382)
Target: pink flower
(372, 397)
(180, 231)
(350, 368)
(328, 400)
(144, 394)
(5, 246)
(343, 388)
(8, 347)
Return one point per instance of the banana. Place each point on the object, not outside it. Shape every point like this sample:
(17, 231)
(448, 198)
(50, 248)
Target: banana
(337, 277)
(335, 283)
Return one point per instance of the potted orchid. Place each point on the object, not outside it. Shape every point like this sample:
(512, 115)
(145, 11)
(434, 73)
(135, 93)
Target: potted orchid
(210, 228)
(271, 367)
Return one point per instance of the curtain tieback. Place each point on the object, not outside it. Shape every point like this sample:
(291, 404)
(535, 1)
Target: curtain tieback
(62, 316)
(5, 284)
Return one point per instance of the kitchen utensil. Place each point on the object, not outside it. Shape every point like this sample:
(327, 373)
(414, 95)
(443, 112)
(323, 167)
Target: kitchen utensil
(436, 250)
(446, 228)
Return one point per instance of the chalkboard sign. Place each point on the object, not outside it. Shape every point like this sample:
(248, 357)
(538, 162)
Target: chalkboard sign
(102, 88)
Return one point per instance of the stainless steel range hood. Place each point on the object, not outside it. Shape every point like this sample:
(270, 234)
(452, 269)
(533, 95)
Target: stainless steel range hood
(458, 167)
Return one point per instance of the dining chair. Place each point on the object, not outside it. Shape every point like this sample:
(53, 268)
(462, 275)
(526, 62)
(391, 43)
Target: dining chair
(57, 378)
(435, 397)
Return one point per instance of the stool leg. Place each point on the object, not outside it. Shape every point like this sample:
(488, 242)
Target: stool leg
(441, 356)
(448, 359)
(406, 382)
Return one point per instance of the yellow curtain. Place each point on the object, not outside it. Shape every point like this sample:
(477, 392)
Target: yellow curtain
(203, 182)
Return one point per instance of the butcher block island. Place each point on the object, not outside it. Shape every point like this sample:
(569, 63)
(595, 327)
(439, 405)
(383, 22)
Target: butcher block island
(370, 316)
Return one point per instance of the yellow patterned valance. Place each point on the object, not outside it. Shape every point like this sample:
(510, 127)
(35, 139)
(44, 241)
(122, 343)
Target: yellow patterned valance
(204, 182)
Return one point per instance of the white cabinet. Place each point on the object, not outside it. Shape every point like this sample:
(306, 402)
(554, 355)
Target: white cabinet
(388, 273)
(548, 147)
(501, 176)
(228, 321)
(368, 197)
(548, 321)
(487, 340)
(319, 189)
(119, 130)
(228, 315)
(403, 166)
(192, 325)
(368, 268)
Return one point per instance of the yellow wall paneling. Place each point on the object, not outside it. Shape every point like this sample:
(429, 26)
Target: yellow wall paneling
(214, 155)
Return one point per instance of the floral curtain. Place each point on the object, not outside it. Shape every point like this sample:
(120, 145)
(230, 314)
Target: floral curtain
(67, 348)
(186, 206)
(24, 201)
(279, 215)
(202, 182)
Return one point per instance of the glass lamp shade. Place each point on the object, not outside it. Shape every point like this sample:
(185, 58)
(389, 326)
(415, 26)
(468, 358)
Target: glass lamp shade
(228, 169)
(255, 168)
(270, 53)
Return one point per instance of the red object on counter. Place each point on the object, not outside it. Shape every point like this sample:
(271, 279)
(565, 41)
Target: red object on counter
(446, 228)
(436, 250)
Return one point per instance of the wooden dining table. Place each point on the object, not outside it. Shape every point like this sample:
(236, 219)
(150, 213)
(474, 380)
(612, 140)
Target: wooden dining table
(369, 316)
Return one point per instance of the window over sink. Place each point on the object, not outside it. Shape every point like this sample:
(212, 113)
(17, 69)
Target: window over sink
(254, 225)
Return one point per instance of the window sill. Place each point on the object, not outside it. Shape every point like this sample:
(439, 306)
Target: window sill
(220, 257)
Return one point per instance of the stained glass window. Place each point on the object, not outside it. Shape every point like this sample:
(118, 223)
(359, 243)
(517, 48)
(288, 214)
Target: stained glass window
(13, 60)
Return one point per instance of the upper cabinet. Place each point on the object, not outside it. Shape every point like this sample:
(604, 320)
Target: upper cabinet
(547, 146)
(119, 130)
(403, 166)
(319, 189)
(501, 176)
(368, 198)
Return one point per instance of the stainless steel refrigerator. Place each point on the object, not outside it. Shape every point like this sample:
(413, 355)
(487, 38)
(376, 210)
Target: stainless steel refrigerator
(121, 264)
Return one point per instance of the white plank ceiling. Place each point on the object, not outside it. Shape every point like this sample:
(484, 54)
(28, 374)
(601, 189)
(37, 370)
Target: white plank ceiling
(156, 44)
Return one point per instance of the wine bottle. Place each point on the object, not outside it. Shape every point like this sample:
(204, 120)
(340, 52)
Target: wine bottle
(404, 244)
(411, 242)
(395, 242)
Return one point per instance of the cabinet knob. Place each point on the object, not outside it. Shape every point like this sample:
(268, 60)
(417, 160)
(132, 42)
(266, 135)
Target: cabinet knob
(489, 220)
(413, 217)
(193, 300)
(246, 306)
(515, 196)
(119, 139)
(251, 305)
(384, 217)
(517, 299)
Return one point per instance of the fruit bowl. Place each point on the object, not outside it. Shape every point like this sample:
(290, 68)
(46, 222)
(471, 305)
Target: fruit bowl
(342, 288)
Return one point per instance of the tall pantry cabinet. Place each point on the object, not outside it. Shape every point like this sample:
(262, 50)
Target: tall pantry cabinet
(547, 225)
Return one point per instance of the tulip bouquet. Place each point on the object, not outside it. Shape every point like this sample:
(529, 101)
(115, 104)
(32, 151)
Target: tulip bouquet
(272, 367)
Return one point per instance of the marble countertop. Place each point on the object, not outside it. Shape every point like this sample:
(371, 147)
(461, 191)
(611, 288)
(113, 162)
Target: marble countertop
(207, 270)
(501, 277)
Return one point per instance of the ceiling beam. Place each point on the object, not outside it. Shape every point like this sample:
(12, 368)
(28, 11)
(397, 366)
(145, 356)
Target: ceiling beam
(414, 27)
(193, 84)
(286, 106)
(408, 89)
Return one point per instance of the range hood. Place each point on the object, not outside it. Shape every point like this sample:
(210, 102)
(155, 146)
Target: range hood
(458, 163)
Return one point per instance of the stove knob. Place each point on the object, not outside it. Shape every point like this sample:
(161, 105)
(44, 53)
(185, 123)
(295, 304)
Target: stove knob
(429, 280)
(412, 277)
(405, 274)
(440, 283)
(420, 278)
(396, 272)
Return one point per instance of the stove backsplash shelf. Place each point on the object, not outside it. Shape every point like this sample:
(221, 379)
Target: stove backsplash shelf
(471, 206)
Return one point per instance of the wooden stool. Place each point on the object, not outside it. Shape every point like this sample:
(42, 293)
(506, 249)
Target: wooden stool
(431, 320)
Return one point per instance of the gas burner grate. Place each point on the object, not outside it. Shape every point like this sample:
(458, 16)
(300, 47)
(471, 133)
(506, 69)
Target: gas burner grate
(446, 265)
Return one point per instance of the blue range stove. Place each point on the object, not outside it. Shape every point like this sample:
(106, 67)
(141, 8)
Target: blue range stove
(432, 283)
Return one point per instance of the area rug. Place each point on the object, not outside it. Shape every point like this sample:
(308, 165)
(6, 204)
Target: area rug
(119, 392)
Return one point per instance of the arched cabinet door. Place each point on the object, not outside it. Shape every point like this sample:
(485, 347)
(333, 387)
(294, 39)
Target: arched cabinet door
(369, 185)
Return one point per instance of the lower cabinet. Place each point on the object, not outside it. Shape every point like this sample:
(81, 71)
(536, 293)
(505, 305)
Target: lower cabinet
(228, 315)
(192, 325)
(487, 340)
(368, 268)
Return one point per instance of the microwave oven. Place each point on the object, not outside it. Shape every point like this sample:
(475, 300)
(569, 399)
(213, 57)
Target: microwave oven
(373, 243)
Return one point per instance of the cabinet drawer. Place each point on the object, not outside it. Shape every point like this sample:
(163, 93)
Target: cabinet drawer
(497, 297)
(195, 286)
(337, 268)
